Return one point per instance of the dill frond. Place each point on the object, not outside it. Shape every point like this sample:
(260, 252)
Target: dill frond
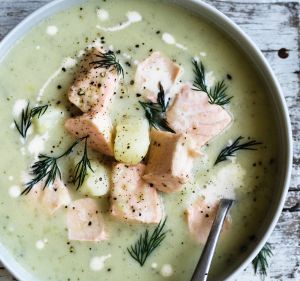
(147, 243)
(81, 167)
(261, 263)
(155, 112)
(108, 60)
(27, 116)
(230, 150)
(46, 168)
(217, 94)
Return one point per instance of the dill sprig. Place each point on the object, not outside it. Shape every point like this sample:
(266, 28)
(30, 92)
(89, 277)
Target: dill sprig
(26, 118)
(217, 94)
(147, 243)
(230, 150)
(199, 72)
(81, 167)
(260, 262)
(107, 60)
(156, 112)
(46, 169)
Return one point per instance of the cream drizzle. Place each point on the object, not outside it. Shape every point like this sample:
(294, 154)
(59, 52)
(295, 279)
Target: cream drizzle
(47, 83)
(18, 107)
(67, 63)
(132, 17)
(102, 14)
(40, 244)
(14, 191)
(52, 30)
(166, 270)
(170, 40)
(97, 263)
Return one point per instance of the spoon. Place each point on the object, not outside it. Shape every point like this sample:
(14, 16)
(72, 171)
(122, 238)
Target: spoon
(203, 266)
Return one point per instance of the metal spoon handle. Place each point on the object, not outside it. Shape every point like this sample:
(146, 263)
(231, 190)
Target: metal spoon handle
(203, 266)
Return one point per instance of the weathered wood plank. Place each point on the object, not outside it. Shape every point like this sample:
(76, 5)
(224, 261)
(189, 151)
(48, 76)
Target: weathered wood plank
(292, 200)
(272, 24)
(284, 265)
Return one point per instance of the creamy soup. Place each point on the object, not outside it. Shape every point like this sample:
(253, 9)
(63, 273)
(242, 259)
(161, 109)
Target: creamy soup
(41, 69)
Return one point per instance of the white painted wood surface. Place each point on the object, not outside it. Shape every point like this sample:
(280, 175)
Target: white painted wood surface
(272, 24)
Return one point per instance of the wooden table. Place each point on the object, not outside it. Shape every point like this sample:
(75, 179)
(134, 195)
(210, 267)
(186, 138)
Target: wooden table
(273, 25)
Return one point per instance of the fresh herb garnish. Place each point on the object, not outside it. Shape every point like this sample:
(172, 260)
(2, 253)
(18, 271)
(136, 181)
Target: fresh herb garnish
(81, 167)
(26, 118)
(147, 243)
(217, 94)
(156, 112)
(47, 169)
(108, 60)
(230, 150)
(260, 262)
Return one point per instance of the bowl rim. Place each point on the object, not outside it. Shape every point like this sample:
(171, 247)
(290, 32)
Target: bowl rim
(228, 26)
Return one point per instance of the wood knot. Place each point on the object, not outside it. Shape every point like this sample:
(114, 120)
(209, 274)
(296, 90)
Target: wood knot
(283, 53)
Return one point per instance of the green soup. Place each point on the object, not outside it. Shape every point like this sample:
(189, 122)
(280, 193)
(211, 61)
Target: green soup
(33, 68)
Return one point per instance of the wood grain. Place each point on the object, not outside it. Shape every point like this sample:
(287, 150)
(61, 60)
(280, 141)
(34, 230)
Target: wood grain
(272, 24)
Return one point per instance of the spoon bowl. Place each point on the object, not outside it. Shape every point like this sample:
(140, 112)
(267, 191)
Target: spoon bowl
(203, 266)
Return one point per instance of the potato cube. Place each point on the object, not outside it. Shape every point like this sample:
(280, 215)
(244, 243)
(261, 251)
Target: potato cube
(96, 183)
(50, 119)
(132, 140)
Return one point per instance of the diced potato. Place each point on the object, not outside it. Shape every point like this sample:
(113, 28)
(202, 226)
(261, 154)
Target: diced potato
(132, 140)
(48, 120)
(96, 183)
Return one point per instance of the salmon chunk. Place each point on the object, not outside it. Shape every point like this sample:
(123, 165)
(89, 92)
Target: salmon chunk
(52, 197)
(85, 222)
(133, 199)
(200, 218)
(98, 126)
(94, 87)
(191, 113)
(170, 160)
(154, 70)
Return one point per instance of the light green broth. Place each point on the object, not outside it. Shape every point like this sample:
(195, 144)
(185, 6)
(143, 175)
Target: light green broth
(23, 73)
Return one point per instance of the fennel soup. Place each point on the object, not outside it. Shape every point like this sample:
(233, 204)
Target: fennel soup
(116, 121)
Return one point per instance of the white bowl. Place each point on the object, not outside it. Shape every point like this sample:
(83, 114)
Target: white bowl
(261, 65)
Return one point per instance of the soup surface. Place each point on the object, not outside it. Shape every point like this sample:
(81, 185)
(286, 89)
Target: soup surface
(41, 68)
